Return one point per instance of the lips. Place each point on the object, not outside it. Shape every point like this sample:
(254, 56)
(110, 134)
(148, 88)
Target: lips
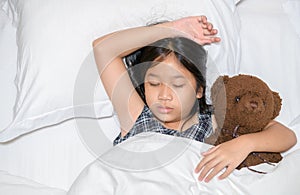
(164, 109)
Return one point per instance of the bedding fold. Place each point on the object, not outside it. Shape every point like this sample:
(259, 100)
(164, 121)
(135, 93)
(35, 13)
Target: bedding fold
(155, 163)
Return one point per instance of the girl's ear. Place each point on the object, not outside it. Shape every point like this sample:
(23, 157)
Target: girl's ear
(199, 93)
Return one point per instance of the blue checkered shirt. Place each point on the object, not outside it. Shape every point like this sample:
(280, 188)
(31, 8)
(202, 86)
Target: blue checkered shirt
(147, 123)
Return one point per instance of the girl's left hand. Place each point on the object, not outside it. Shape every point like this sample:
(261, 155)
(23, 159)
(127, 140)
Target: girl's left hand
(196, 28)
(226, 155)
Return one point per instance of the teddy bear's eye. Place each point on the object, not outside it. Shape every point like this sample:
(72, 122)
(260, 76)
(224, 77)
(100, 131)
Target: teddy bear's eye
(237, 98)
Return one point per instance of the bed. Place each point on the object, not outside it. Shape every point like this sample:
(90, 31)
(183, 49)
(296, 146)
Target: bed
(57, 124)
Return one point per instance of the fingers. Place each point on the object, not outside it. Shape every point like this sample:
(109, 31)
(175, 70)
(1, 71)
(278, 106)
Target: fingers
(202, 163)
(209, 26)
(203, 19)
(209, 30)
(211, 168)
(207, 159)
(215, 39)
(212, 164)
(198, 29)
(208, 40)
(213, 171)
(229, 170)
(204, 23)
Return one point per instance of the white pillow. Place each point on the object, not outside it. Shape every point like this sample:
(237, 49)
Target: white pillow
(57, 77)
(8, 66)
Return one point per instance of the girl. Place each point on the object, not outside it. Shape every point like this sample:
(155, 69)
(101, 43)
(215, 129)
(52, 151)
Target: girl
(170, 96)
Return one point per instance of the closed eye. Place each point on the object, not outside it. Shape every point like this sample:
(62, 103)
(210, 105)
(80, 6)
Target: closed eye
(178, 85)
(154, 84)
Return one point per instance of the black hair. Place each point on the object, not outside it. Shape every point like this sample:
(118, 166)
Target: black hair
(189, 53)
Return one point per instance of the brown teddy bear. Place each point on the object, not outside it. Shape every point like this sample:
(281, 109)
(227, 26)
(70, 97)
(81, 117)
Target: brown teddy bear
(243, 104)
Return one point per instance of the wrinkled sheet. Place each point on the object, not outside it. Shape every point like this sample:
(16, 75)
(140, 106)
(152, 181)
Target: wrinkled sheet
(152, 163)
(14, 185)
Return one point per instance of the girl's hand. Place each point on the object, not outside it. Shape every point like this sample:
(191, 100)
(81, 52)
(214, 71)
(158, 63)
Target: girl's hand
(196, 28)
(226, 155)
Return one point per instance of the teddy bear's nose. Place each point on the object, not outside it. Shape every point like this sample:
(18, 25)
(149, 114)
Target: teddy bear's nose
(253, 104)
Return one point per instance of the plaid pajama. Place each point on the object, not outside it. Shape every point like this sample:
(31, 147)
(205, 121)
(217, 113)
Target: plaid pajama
(147, 123)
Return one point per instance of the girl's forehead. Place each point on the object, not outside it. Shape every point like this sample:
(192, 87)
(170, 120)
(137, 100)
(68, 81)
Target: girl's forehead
(170, 67)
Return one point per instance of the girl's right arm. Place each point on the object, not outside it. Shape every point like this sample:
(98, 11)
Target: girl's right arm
(109, 51)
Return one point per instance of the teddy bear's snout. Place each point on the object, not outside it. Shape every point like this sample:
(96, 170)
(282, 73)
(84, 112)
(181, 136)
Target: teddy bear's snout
(253, 104)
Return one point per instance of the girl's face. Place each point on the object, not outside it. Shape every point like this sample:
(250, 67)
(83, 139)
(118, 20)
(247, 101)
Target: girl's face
(170, 91)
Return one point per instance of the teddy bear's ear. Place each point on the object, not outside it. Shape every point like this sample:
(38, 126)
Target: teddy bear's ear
(277, 104)
(218, 86)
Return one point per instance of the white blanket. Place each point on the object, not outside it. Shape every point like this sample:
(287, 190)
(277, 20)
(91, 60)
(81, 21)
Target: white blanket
(152, 163)
(14, 185)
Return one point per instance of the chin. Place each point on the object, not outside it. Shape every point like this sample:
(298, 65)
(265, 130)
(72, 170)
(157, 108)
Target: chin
(162, 117)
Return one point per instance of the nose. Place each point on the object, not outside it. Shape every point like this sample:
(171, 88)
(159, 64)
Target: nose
(253, 104)
(165, 93)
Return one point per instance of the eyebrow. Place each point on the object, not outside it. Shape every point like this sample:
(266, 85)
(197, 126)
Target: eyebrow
(175, 77)
(152, 75)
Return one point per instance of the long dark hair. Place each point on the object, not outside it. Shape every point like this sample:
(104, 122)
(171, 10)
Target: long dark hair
(190, 54)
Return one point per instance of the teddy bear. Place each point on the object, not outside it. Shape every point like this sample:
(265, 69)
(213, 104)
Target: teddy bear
(243, 104)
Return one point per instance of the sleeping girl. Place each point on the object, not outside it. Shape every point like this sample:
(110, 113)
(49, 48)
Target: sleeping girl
(155, 77)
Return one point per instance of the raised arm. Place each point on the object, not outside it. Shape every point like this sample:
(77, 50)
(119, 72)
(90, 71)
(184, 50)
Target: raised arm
(110, 49)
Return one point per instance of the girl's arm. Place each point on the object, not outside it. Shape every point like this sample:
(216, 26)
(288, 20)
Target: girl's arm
(274, 138)
(110, 49)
